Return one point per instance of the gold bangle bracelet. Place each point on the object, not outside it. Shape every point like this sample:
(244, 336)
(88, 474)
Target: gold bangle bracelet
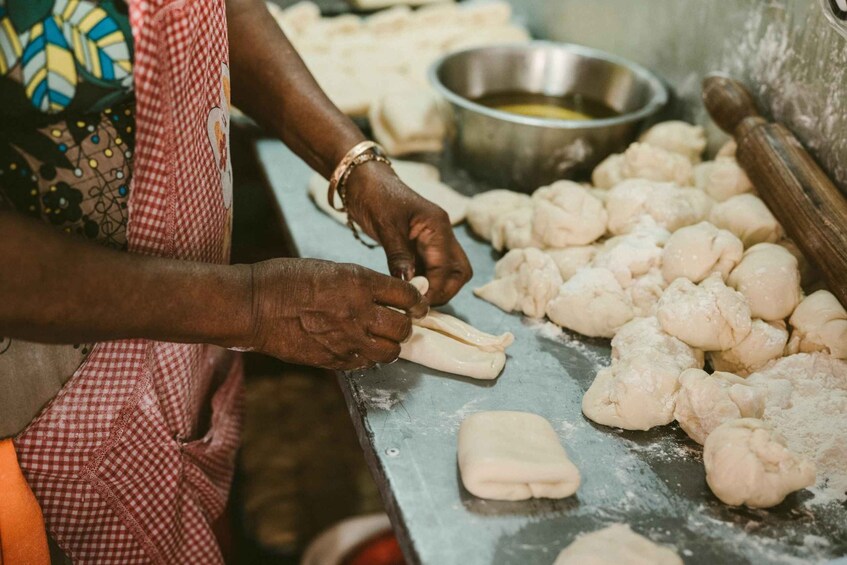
(343, 168)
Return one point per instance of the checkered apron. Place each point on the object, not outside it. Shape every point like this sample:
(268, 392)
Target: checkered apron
(133, 459)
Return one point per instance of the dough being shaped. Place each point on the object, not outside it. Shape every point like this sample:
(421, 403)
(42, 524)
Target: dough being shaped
(637, 393)
(695, 252)
(420, 177)
(445, 343)
(609, 172)
(748, 218)
(644, 337)
(513, 230)
(709, 316)
(645, 291)
(485, 208)
(592, 303)
(706, 401)
(749, 463)
(514, 456)
(765, 342)
(445, 353)
(677, 137)
(670, 206)
(632, 255)
(525, 281)
(819, 323)
(407, 121)
(722, 179)
(648, 162)
(571, 259)
(769, 278)
(616, 545)
(567, 214)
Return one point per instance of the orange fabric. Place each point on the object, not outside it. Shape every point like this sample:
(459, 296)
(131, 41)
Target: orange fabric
(23, 540)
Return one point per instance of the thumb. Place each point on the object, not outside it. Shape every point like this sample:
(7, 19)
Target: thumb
(400, 254)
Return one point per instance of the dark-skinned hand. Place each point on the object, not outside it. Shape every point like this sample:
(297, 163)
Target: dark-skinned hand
(331, 315)
(415, 233)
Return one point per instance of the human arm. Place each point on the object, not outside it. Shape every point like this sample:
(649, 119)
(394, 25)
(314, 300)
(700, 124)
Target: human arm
(271, 84)
(58, 288)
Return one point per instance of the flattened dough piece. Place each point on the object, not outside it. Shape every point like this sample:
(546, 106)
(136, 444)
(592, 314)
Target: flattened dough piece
(441, 352)
(407, 121)
(514, 456)
(616, 545)
(448, 344)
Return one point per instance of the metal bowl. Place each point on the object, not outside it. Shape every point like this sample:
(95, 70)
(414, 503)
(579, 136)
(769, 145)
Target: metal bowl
(522, 152)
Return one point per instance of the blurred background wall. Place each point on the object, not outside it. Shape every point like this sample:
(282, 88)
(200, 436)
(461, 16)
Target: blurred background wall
(786, 51)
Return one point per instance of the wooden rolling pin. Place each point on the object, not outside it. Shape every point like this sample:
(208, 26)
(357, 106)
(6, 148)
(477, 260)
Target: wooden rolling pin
(798, 192)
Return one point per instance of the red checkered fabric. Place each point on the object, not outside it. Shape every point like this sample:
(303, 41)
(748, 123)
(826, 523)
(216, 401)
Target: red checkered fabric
(132, 461)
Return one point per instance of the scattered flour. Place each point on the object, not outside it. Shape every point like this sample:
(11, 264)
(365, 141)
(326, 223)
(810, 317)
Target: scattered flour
(807, 403)
(549, 330)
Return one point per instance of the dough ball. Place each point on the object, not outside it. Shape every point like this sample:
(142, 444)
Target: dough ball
(567, 214)
(571, 259)
(769, 278)
(645, 337)
(637, 393)
(722, 179)
(485, 208)
(407, 121)
(513, 230)
(677, 137)
(525, 281)
(765, 342)
(709, 316)
(642, 161)
(695, 252)
(514, 456)
(632, 255)
(809, 274)
(819, 324)
(670, 206)
(748, 218)
(616, 545)
(645, 291)
(609, 172)
(592, 302)
(706, 401)
(728, 149)
(749, 463)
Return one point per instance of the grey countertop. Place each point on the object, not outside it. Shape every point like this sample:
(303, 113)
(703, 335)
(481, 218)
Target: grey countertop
(407, 418)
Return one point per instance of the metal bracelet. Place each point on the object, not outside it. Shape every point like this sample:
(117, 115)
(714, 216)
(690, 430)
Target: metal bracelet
(342, 170)
(342, 190)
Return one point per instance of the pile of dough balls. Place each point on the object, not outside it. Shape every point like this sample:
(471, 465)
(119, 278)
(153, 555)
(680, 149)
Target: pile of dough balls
(378, 64)
(680, 263)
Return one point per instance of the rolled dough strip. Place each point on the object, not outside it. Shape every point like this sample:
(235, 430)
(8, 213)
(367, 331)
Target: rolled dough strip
(514, 456)
(464, 332)
(443, 353)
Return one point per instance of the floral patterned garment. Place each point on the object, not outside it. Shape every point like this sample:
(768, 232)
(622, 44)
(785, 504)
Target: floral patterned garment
(67, 114)
(67, 131)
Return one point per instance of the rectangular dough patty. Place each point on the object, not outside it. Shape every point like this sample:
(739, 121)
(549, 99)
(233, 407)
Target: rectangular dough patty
(507, 455)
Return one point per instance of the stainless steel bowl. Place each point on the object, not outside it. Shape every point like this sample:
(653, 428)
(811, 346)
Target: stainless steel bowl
(522, 152)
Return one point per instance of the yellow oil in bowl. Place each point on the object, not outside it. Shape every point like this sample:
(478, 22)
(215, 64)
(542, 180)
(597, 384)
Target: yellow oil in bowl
(568, 107)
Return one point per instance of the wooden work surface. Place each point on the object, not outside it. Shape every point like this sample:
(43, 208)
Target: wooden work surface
(407, 417)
